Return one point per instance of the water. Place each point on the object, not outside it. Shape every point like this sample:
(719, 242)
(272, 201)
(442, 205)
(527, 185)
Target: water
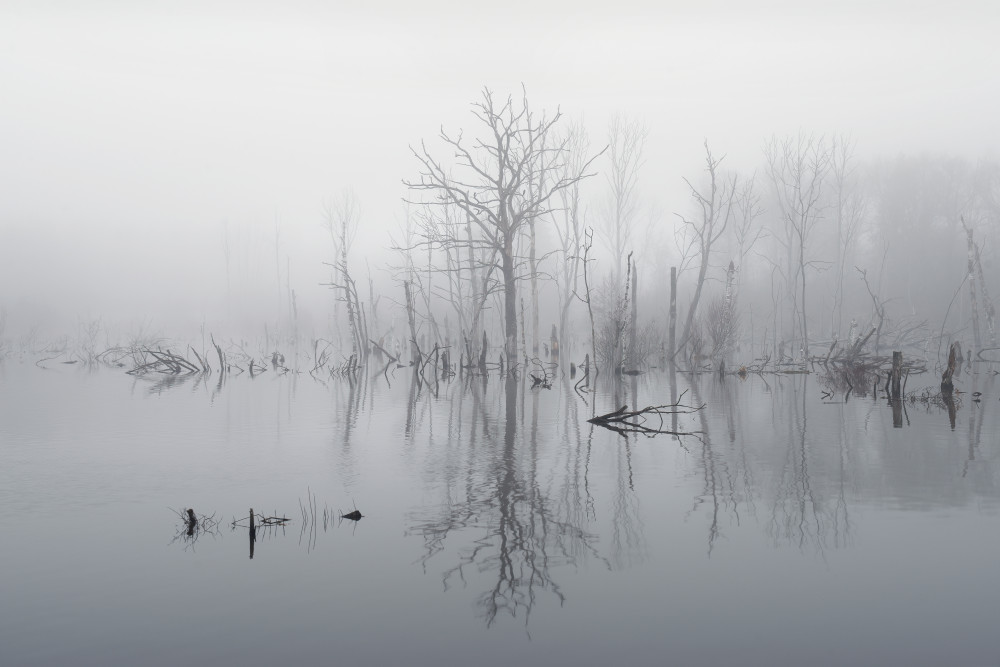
(500, 527)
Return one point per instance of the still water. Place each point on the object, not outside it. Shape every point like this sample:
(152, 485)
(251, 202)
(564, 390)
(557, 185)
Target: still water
(499, 526)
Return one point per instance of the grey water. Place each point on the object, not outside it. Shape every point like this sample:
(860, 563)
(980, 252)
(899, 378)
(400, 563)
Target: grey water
(500, 527)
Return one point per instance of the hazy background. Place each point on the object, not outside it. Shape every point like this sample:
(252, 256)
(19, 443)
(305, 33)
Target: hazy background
(136, 137)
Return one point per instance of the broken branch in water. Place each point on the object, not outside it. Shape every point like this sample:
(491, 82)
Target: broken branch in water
(194, 526)
(163, 361)
(626, 421)
(255, 520)
(542, 382)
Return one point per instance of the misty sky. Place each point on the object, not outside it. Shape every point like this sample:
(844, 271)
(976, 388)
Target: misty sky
(132, 133)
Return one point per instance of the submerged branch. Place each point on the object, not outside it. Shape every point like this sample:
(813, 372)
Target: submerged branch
(625, 421)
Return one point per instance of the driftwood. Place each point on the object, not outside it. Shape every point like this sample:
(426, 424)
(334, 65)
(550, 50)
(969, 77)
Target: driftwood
(542, 382)
(542, 374)
(163, 361)
(624, 421)
(255, 520)
(204, 363)
(392, 357)
(193, 526)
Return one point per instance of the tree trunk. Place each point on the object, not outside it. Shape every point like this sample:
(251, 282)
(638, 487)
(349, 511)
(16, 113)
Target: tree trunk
(474, 281)
(702, 270)
(510, 301)
(977, 343)
(633, 337)
(414, 353)
(533, 262)
(805, 331)
(671, 341)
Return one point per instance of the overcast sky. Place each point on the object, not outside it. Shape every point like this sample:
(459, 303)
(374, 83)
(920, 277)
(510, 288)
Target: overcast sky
(131, 132)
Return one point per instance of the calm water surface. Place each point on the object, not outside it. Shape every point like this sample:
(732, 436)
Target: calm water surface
(500, 527)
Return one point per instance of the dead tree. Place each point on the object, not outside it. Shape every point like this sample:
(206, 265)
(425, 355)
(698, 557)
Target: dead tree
(343, 216)
(570, 230)
(849, 208)
(975, 274)
(489, 181)
(672, 331)
(587, 244)
(878, 305)
(746, 229)
(411, 319)
(469, 266)
(946, 378)
(626, 141)
(797, 167)
(716, 211)
(633, 343)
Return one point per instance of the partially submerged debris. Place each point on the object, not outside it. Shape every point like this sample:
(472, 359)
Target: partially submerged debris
(542, 382)
(255, 520)
(624, 421)
(353, 516)
(162, 361)
(193, 526)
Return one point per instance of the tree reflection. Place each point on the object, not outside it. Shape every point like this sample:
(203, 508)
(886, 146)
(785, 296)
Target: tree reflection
(975, 424)
(627, 537)
(719, 490)
(517, 529)
(801, 514)
(351, 398)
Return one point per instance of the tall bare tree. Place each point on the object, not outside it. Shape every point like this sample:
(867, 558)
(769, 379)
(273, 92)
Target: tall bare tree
(715, 205)
(626, 142)
(536, 184)
(798, 167)
(746, 228)
(849, 206)
(570, 228)
(469, 268)
(342, 216)
(491, 179)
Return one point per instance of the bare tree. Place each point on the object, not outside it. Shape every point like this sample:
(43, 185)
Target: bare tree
(716, 208)
(746, 228)
(341, 220)
(626, 141)
(798, 167)
(491, 183)
(537, 182)
(570, 228)
(850, 207)
(469, 267)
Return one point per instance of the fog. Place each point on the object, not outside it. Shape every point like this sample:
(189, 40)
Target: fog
(138, 141)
